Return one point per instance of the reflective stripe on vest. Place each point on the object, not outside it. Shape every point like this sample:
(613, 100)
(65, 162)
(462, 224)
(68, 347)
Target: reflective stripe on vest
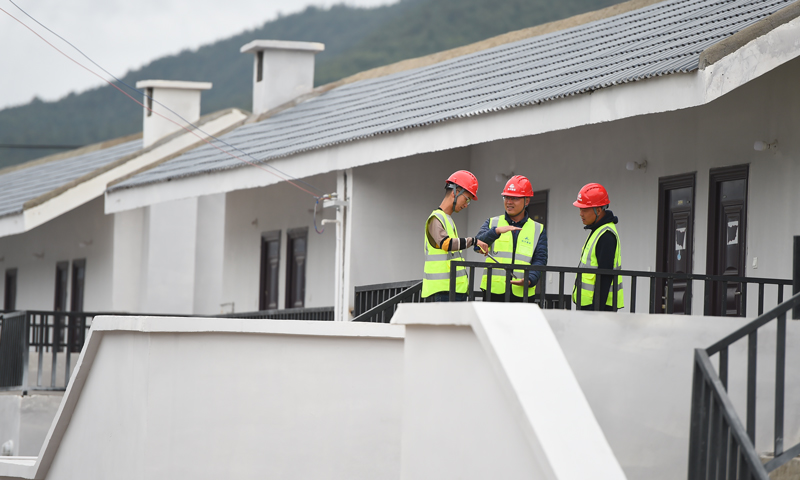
(587, 281)
(436, 272)
(503, 250)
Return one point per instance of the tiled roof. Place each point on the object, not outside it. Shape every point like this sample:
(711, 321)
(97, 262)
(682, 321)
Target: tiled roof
(20, 186)
(662, 39)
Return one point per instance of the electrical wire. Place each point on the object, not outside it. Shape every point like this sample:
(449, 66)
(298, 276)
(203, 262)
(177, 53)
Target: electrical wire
(157, 102)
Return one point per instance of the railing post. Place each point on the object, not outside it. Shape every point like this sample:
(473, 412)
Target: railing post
(796, 275)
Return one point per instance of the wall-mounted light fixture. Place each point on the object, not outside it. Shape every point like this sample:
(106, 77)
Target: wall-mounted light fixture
(760, 145)
(503, 178)
(84, 243)
(39, 255)
(637, 165)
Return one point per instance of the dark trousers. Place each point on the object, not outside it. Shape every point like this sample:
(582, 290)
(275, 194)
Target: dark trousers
(603, 308)
(501, 297)
(445, 297)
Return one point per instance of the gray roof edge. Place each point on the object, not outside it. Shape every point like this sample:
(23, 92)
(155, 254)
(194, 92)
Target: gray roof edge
(34, 202)
(94, 147)
(723, 48)
(118, 184)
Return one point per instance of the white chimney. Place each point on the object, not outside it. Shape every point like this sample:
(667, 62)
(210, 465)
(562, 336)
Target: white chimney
(282, 71)
(182, 98)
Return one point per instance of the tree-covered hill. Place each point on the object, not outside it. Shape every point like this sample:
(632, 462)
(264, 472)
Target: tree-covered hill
(355, 39)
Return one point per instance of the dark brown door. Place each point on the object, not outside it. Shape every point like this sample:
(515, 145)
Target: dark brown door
(727, 233)
(675, 238)
(60, 304)
(11, 289)
(296, 247)
(537, 211)
(77, 325)
(270, 262)
(62, 280)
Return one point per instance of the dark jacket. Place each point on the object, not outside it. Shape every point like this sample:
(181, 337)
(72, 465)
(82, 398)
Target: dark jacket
(606, 250)
(539, 253)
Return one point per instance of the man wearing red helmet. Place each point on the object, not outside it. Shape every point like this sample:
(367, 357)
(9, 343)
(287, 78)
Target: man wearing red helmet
(442, 243)
(514, 238)
(600, 251)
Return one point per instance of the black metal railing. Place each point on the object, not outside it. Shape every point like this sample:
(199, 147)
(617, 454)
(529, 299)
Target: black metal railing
(318, 313)
(13, 351)
(53, 337)
(720, 447)
(382, 312)
(661, 288)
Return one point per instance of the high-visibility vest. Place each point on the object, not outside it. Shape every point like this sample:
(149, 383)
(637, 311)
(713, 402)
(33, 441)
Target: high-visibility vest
(588, 281)
(503, 250)
(436, 277)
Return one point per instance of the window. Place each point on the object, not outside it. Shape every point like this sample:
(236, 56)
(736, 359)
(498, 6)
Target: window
(62, 278)
(297, 241)
(270, 262)
(11, 289)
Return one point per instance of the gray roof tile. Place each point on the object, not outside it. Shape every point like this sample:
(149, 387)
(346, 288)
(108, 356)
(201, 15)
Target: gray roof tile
(20, 186)
(662, 39)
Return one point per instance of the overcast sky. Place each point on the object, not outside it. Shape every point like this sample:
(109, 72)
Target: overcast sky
(119, 35)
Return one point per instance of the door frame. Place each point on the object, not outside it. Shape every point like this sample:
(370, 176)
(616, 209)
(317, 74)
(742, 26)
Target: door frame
(670, 183)
(715, 178)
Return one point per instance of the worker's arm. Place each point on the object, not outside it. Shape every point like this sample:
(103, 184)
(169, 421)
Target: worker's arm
(437, 236)
(489, 235)
(606, 251)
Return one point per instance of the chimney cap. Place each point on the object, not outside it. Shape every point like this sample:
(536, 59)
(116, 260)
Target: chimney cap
(260, 45)
(174, 84)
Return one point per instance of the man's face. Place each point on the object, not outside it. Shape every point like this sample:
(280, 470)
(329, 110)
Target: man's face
(514, 205)
(588, 216)
(463, 200)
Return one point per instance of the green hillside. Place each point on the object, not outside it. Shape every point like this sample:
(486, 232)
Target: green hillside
(355, 39)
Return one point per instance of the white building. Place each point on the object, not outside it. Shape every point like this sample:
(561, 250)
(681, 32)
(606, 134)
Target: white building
(684, 110)
(58, 248)
(663, 105)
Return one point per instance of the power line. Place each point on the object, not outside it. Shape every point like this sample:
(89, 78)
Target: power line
(39, 147)
(159, 103)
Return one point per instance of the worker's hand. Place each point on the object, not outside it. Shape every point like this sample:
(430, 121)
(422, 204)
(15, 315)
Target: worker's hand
(482, 246)
(505, 228)
(520, 282)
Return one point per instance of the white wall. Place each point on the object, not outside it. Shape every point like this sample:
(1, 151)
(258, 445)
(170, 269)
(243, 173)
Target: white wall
(209, 254)
(131, 234)
(83, 233)
(391, 202)
(170, 262)
(249, 213)
(693, 140)
(636, 372)
(200, 398)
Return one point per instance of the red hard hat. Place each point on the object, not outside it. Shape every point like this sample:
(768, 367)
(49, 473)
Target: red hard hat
(465, 180)
(592, 195)
(518, 186)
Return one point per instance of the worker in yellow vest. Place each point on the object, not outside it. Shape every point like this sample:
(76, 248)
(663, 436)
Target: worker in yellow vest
(601, 250)
(442, 243)
(514, 238)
